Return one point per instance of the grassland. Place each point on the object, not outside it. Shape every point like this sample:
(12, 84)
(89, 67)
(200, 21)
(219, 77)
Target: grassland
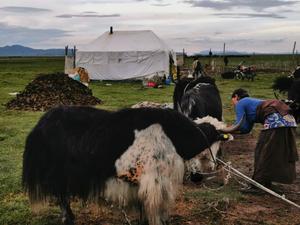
(16, 73)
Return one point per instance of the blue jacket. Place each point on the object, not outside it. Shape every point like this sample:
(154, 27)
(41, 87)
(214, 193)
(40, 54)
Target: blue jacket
(248, 107)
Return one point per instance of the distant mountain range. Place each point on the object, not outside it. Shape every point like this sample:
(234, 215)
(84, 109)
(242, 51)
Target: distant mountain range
(237, 53)
(206, 52)
(19, 50)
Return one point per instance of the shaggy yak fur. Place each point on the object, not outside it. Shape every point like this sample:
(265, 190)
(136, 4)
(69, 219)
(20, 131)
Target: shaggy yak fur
(198, 98)
(88, 153)
(292, 87)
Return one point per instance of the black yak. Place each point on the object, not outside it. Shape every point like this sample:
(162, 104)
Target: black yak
(291, 86)
(132, 157)
(198, 98)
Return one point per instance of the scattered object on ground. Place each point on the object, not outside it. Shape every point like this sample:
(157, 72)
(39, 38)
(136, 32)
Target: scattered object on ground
(240, 73)
(153, 105)
(156, 81)
(80, 74)
(50, 90)
(13, 93)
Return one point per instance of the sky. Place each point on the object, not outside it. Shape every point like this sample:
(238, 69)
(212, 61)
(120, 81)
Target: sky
(254, 26)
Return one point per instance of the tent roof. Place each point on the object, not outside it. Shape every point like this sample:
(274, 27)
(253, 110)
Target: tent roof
(125, 41)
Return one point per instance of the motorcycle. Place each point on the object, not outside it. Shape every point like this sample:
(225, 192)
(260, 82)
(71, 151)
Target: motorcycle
(242, 72)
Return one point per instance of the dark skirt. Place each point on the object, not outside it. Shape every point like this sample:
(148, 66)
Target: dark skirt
(275, 156)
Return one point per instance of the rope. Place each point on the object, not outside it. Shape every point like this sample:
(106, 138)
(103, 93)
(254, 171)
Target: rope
(244, 177)
(120, 210)
(256, 184)
(126, 217)
(208, 145)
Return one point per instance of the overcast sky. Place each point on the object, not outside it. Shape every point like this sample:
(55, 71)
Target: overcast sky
(195, 25)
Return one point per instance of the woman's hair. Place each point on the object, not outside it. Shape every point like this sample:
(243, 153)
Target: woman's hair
(241, 93)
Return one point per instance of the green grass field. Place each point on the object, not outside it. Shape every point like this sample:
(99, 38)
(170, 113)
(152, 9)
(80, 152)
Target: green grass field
(281, 63)
(16, 73)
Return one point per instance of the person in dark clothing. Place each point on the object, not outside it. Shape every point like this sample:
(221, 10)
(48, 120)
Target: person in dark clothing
(275, 152)
(226, 61)
(197, 67)
(296, 73)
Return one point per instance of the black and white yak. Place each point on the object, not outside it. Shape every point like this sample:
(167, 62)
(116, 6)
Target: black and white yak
(291, 86)
(198, 98)
(134, 157)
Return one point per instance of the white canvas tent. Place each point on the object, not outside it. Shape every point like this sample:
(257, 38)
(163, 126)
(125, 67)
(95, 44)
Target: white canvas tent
(120, 55)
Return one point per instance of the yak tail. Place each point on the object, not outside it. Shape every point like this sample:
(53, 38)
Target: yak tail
(33, 163)
(282, 84)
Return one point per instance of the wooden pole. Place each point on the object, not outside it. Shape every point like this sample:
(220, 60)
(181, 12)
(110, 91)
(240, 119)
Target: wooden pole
(294, 48)
(74, 57)
(183, 55)
(224, 46)
(66, 50)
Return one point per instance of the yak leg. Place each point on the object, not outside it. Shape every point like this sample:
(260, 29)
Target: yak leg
(67, 214)
(143, 219)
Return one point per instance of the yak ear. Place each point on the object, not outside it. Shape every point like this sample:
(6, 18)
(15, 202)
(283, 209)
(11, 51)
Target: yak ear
(226, 137)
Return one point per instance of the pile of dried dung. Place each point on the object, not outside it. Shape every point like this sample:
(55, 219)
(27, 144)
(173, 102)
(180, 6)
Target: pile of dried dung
(50, 90)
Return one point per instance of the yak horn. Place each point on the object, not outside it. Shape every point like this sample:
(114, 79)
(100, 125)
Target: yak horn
(235, 127)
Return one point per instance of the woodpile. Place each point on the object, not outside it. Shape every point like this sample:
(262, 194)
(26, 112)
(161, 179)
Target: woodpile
(50, 90)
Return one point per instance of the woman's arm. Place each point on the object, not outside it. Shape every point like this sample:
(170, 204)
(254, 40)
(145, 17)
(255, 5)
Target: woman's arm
(246, 126)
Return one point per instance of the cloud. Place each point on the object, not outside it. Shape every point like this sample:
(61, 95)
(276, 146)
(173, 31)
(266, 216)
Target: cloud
(20, 9)
(89, 15)
(108, 1)
(258, 5)
(89, 12)
(207, 40)
(249, 15)
(28, 36)
(160, 4)
(218, 33)
(280, 40)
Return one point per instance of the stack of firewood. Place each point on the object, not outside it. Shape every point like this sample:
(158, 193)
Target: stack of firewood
(50, 90)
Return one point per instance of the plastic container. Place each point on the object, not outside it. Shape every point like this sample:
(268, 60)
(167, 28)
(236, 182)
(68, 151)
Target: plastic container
(168, 81)
(151, 84)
